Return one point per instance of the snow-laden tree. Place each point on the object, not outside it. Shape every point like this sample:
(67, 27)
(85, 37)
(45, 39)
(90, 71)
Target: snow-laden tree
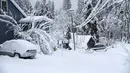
(39, 37)
(37, 5)
(102, 10)
(50, 9)
(80, 6)
(43, 2)
(44, 8)
(25, 5)
(62, 23)
(111, 26)
(79, 16)
(35, 35)
(126, 18)
(66, 4)
(97, 9)
(11, 23)
(28, 8)
(41, 8)
(94, 10)
(37, 8)
(113, 19)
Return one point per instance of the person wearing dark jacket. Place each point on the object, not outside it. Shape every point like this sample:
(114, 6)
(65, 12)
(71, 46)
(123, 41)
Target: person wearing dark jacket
(91, 43)
(67, 40)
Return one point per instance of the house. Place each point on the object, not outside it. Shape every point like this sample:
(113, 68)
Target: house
(11, 8)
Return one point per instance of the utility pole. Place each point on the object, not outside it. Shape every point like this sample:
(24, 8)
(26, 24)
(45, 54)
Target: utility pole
(127, 17)
(128, 26)
(73, 27)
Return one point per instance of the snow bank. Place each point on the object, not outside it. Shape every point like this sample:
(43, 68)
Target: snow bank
(70, 62)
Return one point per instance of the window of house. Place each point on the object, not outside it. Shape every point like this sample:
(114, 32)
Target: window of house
(4, 5)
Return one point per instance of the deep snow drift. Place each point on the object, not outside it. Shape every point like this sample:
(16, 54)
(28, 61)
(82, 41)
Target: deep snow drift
(112, 61)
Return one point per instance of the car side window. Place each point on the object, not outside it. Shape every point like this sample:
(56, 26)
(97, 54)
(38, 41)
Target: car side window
(5, 46)
(0, 47)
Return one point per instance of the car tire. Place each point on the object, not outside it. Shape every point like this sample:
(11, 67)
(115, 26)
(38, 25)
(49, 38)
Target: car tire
(17, 55)
(32, 57)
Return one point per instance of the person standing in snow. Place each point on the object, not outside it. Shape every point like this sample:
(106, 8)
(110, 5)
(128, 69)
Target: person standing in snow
(91, 43)
(67, 40)
(94, 34)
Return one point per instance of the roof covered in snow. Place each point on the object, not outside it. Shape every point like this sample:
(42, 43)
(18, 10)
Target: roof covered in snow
(17, 6)
(31, 19)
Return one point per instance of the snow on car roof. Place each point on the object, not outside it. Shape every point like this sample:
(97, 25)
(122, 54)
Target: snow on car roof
(31, 19)
(19, 44)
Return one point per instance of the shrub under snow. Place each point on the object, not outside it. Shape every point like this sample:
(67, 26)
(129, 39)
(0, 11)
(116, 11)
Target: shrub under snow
(39, 37)
(35, 35)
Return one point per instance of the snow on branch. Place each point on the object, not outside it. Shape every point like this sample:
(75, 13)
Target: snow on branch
(11, 23)
(98, 8)
(42, 39)
(8, 18)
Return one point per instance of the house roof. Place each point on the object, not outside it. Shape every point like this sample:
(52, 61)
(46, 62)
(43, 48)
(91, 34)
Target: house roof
(17, 6)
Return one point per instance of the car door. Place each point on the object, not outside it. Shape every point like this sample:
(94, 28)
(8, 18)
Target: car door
(1, 51)
(6, 49)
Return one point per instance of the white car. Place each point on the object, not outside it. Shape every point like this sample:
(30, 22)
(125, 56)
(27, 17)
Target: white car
(19, 48)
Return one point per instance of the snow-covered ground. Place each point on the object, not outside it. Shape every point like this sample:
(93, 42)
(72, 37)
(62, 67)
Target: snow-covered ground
(112, 61)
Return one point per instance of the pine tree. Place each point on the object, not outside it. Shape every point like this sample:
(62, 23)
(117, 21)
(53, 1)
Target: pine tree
(37, 5)
(40, 8)
(25, 5)
(66, 4)
(79, 18)
(43, 8)
(28, 7)
(80, 6)
(53, 7)
(43, 2)
(50, 9)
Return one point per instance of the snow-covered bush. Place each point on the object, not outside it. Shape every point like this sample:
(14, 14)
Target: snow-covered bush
(35, 35)
(40, 37)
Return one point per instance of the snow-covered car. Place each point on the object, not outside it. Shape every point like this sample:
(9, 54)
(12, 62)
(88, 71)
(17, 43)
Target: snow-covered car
(18, 48)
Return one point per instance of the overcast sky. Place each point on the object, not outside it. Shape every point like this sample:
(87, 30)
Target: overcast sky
(58, 3)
